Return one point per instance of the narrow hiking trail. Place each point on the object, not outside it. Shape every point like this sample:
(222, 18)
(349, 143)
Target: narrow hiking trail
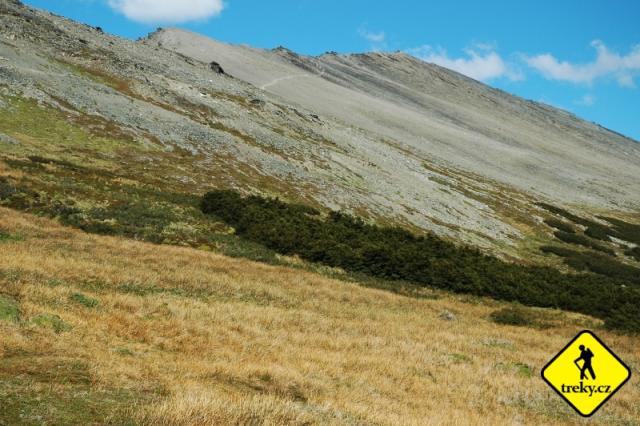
(290, 77)
(280, 79)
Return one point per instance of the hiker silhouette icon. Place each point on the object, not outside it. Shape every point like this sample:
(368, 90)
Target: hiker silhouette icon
(585, 356)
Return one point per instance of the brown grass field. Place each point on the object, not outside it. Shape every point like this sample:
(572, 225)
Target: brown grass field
(116, 331)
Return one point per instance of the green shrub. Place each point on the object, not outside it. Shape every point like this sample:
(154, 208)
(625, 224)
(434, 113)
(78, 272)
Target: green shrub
(517, 316)
(583, 241)
(567, 215)
(560, 225)
(572, 238)
(559, 251)
(7, 190)
(393, 253)
(599, 233)
(604, 265)
(624, 230)
(634, 252)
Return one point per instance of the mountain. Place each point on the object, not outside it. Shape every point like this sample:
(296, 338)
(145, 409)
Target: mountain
(383, 135)
(148, 275)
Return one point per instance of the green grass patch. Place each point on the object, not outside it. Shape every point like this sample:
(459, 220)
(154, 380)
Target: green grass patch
(6, 237)
(86, 301)
(518, 368)
(9, 309)
(459, 358)
(59, 391)
(52, 322)
(124, 352)
(47, 130)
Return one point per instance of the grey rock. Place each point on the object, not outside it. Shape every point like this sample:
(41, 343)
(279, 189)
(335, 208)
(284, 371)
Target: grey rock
(215, 67)
(447, 316)
(8, 140)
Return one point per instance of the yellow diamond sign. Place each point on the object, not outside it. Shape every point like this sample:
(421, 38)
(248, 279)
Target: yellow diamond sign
(586, 373)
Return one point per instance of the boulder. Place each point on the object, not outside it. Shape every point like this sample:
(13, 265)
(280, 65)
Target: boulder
(447, 316)
(215, 67)
(8, 140)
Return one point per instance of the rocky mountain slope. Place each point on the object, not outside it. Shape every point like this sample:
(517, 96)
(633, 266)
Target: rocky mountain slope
(383, 135)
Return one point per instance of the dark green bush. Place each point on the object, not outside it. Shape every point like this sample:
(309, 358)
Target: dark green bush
(559, 251)
(634, 252)
(560, 225)
(595, 262)
(393, 253)
(624, 230)
(572, 238)
(583, 241)
(513, 316)
(6, 188)
(604, 265)
(599, 233)
(568, 215)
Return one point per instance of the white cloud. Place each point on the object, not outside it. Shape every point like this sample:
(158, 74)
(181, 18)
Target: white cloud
(481, 63)
(587, 100)
(607, 64)
(167, 11)
(373, 37)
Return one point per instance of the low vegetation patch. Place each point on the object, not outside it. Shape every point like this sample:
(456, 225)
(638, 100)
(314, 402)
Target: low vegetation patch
(582, 241)
(567, 215)
(560, 225)
(598, 233)
(597, 263)
(620, 229)
(393, 253)
(87, 302)
(6, 237)
(518, 316)
(624, 230)
(9, 310)
(53, 322)
(634, 252)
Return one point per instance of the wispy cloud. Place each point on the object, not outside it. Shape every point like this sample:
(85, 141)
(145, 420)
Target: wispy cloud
(587, 100)
(373, 37)
(376, 38)
(167, 11)
(623, 68)
(481, 62)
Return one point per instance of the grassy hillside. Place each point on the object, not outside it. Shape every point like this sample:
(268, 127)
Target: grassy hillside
(100, 329)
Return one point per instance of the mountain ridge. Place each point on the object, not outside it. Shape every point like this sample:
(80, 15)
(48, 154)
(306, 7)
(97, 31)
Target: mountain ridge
(382, 135)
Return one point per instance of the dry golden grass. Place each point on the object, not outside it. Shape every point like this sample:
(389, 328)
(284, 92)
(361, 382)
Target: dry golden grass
(207, 339)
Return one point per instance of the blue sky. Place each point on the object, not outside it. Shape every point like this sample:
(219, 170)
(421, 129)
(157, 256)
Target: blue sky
(582, 56)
